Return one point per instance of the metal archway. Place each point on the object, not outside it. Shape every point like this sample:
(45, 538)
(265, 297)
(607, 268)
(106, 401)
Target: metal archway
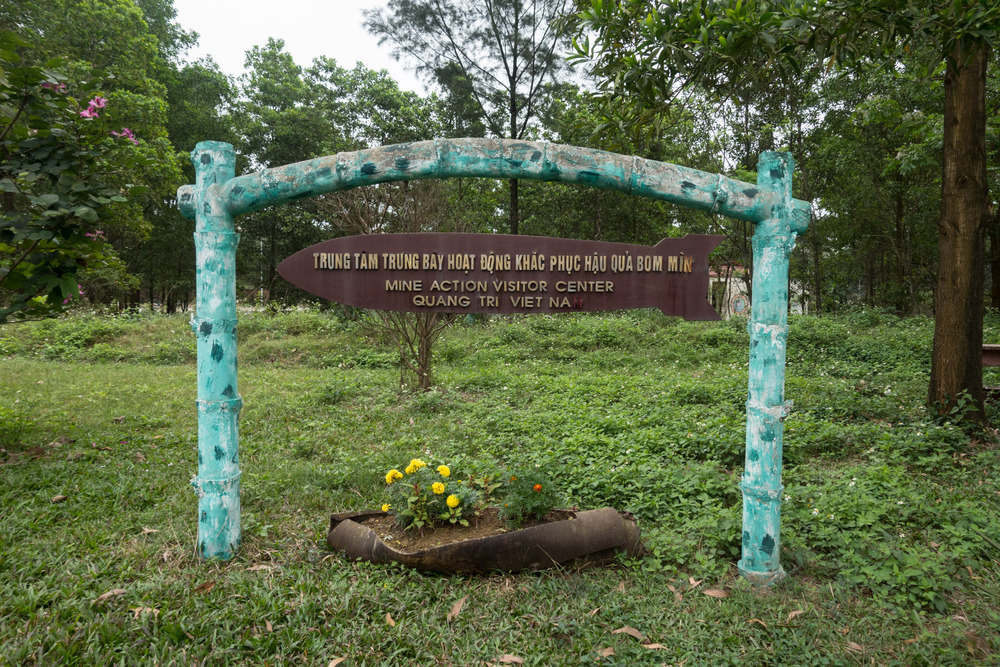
(218, 196)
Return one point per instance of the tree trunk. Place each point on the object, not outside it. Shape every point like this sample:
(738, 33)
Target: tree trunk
(957, 363)
(995, 264)
(425, 349)
(515, 213)
(904, 303)
(817, 273)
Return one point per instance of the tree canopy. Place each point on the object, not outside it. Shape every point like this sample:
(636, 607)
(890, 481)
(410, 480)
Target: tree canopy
(498, 55)
(645, 50)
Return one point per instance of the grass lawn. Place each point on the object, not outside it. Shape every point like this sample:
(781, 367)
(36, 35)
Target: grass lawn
(890, 530)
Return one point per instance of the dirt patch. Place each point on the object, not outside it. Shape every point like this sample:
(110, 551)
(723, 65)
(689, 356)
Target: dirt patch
(486, 524)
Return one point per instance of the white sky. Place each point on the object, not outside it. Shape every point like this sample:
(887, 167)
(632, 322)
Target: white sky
(227, 29)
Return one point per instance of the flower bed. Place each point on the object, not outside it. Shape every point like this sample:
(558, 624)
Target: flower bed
(435, 520)
(423, 496)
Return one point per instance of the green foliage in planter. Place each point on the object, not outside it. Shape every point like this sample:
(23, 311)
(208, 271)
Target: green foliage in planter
(422, 495)
(526, 494)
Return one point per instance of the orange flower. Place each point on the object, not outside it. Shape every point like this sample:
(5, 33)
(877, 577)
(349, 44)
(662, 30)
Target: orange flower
(537, 487)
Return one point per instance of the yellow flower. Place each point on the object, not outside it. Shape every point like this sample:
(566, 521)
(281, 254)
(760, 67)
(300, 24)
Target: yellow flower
(437, 488)
(415, 465)
(392, 476)
(444, 471)
(452, 501)
(385, 508)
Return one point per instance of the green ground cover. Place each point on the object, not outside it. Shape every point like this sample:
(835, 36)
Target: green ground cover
(890, 530)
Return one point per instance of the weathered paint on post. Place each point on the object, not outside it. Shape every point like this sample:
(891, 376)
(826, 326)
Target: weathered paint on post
(491, 158)
(219, 402)
(773, 240)
(217, 197)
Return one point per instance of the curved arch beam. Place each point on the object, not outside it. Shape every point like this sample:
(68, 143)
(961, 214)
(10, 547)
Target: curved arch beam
(501, 159)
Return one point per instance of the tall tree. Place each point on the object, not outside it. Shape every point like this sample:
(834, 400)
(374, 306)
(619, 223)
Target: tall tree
(649, 47)
(277, 123)
(500, 53)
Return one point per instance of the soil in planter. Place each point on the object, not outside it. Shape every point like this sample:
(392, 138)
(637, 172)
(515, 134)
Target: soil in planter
(488, 523)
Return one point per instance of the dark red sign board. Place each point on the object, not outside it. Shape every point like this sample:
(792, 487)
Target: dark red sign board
(494, 273)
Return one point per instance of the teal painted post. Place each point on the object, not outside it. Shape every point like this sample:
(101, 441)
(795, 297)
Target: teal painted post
(773, 240)
(218, 481)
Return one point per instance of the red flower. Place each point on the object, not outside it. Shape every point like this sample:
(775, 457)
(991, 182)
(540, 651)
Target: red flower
(537, 487)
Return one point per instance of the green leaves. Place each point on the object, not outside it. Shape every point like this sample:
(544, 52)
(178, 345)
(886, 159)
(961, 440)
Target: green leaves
(85, 213)
(55, 175)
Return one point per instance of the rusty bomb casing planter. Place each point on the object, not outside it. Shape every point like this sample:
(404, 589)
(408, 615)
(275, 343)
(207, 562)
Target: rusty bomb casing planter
(218, 196)
(594, 536)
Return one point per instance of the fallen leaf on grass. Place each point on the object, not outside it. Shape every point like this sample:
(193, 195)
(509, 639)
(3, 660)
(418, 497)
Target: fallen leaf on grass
(793, 614)
(118, 420)
(593, 611)
(621, 586)
(911, 641)
(267, 624)
(976, 644)
(114, 592)
(254, 568)
(508, 659)
(654, 646)
(631, 632)
(757, 620)
(336, 661)
(59, 499)
(715, 593)
(75, 456)
(695, 584)
(149, 531)
(204, 588)
(140, 457)
(388, 619)
(139, 611)
(855, 648)
(677, 596)
(605, 652)
(456, 609)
